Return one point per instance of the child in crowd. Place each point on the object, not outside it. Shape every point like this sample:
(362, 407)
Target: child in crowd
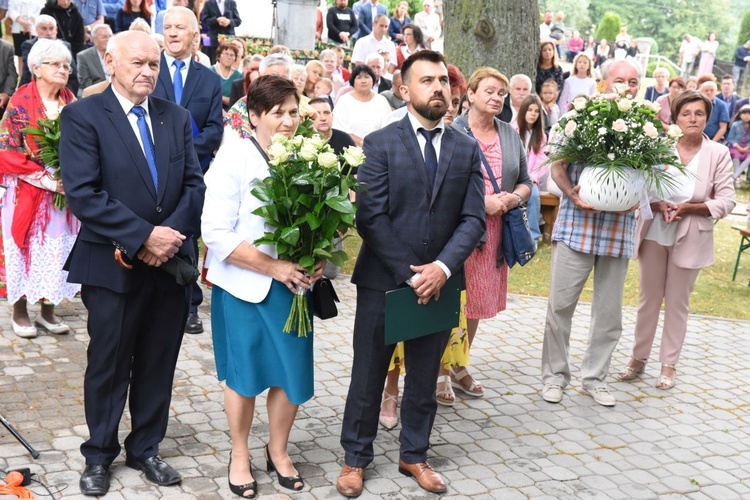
(323, 88)
(738, 141)
(549, 93)
(580, 82)
(530, 126)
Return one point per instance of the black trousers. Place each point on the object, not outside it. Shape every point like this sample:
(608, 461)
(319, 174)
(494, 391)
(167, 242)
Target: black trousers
(135, 342)
(371, 360)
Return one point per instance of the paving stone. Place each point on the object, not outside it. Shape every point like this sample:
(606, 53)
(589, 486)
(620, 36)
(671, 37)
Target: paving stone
(692, 442)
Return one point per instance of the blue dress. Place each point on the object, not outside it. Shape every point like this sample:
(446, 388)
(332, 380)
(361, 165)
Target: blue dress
(253, 353)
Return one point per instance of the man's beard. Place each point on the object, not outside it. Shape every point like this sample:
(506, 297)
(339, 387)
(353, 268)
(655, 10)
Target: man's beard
(430, 109)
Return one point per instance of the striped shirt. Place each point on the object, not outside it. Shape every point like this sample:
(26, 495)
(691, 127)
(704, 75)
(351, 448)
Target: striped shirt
(607, 234)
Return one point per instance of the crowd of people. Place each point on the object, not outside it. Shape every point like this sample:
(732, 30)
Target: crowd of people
(162, 149)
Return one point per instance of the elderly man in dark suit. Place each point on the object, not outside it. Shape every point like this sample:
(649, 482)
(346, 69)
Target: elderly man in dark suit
(46, 27)
(221, 17)
(133, 180)
(420, 217)
(196, 88)
(91, 67)
(8, 75)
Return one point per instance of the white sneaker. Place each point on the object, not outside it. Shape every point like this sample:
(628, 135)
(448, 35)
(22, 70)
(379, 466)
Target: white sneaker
(552, 393)
(602, 396)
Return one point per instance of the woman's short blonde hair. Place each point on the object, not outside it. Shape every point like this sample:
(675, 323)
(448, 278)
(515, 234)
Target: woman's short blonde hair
(485, 72)
(315, 64)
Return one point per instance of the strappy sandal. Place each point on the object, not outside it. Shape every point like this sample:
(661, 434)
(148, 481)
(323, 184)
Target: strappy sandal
(475, 389)
(630, 373)
(445, 396)
(388, 421)
(666, 382)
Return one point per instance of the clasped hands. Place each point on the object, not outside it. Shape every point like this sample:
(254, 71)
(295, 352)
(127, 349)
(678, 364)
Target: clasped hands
(291, 274)
(429, 282)
(500, 203)
(160, 246)
(668, 210)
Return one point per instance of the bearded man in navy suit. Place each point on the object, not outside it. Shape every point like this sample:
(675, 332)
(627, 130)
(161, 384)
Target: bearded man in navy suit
(133, 180)
(420, 218)
(198, 89)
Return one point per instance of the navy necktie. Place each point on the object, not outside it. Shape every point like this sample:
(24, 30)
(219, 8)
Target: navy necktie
(430, 155)
(177, 80)
(148, 143)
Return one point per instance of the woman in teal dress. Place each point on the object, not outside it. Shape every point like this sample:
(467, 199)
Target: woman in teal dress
(226, 55)
(252, 293)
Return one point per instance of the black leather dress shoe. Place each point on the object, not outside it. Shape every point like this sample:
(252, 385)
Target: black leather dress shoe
(156, 470)
(194, 324)
(95, 480)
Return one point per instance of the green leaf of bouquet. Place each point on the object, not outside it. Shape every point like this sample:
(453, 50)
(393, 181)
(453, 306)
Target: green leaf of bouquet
(305, 199)
(307, 261)
(333, 193)
(338, 258)
(341, 204)
(324, 254)
(312, 220)
(290, 235)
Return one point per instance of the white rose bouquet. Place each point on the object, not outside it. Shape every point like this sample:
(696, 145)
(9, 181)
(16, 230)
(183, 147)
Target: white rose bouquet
(306, 206)
(616, 132)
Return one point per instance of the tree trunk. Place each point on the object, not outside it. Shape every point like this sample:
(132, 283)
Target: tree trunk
(503, 34)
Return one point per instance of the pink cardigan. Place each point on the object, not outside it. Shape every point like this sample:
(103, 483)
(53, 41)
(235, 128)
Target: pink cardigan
(694, 243)
(535, 161)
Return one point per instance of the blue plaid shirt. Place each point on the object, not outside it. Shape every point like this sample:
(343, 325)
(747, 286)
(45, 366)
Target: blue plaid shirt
(90, 10)
(608, 234)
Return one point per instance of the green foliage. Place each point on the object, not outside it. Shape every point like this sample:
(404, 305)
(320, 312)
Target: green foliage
(47, 134)
(652, 66)
(576, 13)
(609, 27)
(744, 34)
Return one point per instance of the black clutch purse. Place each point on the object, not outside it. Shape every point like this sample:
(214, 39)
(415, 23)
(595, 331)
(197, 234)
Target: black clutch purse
(324, 299)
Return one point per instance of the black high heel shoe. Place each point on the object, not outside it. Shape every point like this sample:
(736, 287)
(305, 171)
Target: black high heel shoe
(240, 490)
(287, 482)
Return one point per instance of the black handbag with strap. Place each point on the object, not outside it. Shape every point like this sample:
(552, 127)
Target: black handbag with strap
(324, 299)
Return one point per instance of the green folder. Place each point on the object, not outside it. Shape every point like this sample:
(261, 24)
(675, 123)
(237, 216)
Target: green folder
(406, 319)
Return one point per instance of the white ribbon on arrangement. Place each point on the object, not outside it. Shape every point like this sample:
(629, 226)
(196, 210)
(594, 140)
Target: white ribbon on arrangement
(645, 206)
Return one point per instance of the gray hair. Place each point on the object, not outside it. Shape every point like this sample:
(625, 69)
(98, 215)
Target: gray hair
(520, 76)
(184, 10)
(326, 52)
(48, 49)
(711, 83)
(298, 69)
(45, 19)
(379, 17)
(277, 59)
(140, 24)
(374, 55)
(97, 28)
(632, 62)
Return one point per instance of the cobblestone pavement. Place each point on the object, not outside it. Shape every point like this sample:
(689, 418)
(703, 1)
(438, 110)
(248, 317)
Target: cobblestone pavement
(690, 442)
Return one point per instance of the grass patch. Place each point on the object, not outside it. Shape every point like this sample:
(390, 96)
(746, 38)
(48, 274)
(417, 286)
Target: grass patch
(715, 294)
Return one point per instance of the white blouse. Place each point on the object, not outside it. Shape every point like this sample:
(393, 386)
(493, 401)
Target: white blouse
(227, 218)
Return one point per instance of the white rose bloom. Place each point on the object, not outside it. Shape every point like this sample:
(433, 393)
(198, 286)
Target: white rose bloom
(620, 88)
(308, 151)
(570, 127)
(602, 130)
(317, 141)
(570, 114)
(674, 132)
(328, 160)
(650, 130)
(277, 151)
(624, 105)
(611, 156)
(579, 103)
(295, 141)
(53, 113)
(354, 156)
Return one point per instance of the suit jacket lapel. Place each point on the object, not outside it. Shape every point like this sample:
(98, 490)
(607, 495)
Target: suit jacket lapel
(161, 144)
(412, 147)
(122, 126)
(191, 82)
(165, 79)
(447, 146)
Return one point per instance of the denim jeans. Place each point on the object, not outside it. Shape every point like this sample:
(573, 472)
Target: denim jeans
(533, 208)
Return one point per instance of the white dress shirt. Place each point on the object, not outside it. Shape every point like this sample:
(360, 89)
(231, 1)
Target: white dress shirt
(172, 68)
(127, 105)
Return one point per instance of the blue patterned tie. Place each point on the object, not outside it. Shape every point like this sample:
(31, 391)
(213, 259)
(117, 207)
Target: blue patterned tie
(430, 155)
(177, 80)
(148, 143)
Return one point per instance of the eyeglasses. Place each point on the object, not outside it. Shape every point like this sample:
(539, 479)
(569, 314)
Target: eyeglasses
(59, 66)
